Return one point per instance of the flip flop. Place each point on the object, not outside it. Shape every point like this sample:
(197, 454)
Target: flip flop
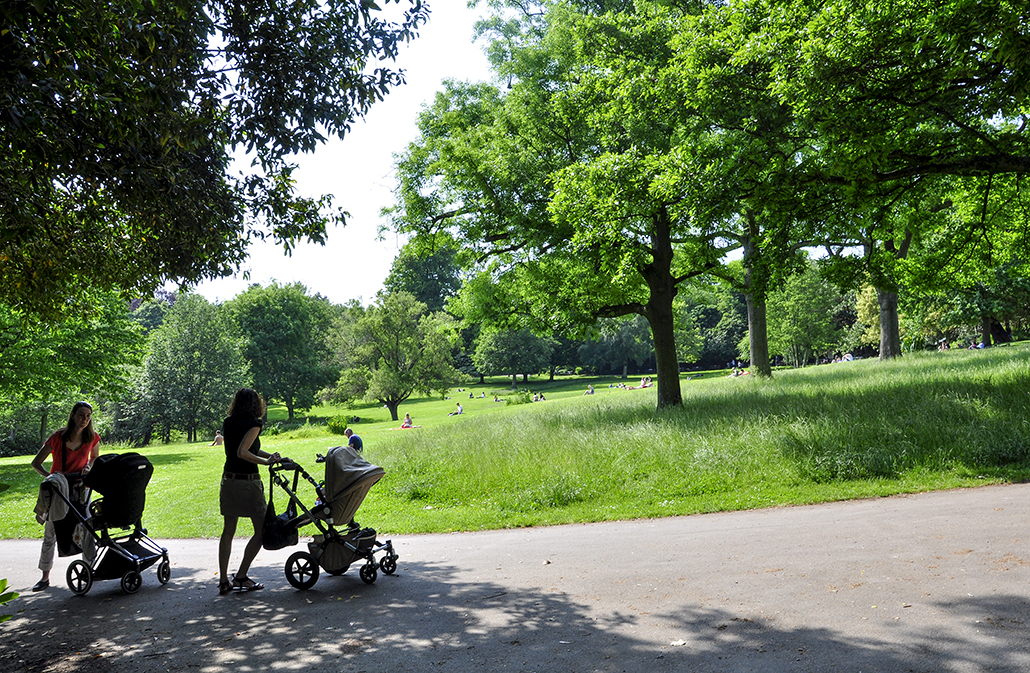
(246, 584)
(224, 587)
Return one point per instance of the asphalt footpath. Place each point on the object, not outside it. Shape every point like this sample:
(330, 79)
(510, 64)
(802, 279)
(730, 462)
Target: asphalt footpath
(925, 583)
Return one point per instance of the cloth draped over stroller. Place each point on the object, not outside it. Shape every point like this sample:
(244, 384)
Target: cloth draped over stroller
(348, 479)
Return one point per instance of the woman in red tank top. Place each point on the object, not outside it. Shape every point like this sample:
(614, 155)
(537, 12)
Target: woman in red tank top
(70, 450)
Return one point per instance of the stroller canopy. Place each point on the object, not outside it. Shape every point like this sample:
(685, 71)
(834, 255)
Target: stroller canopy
(348, 477)
(122, 479)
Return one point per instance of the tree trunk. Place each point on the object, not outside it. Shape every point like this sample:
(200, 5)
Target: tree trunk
(754, 296)
(890, 330)
(514, 381)
(625, 370)
(392, 406)
(757, 335)
(660, 315)
(985, 330)
(42, 426)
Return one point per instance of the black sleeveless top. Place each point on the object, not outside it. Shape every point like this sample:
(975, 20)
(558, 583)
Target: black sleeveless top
(233, 429)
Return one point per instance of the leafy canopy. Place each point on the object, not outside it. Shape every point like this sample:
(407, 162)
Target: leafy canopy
(119, 120)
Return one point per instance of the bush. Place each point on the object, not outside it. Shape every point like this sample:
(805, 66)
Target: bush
(520, 397)
(337, 424)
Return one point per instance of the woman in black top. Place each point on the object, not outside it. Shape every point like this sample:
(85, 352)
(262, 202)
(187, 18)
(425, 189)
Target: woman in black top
(242, 494)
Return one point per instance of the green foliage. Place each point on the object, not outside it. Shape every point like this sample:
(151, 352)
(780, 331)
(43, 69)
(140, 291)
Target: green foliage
(800, 317)
(511, 352)
(619, 344)
(47, 365)
(121, 120)
(285, 333)
(518, 397)
(193, 370)
(337, 424)
(397, 349)
(5, 598)
(431, 275)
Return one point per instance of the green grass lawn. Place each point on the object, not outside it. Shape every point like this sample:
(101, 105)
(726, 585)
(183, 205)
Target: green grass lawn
(849, 430)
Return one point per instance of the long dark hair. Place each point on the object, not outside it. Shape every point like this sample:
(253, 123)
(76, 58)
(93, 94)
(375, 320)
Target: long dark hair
(87, 432)
(247, 404)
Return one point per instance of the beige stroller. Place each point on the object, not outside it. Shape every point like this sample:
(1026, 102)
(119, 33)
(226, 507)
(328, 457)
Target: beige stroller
(340, 540)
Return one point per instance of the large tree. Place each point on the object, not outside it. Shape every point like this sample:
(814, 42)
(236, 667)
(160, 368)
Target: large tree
(286, 332)
(892, 97)
(396, 347)
(194, 367)
(801, 317)
(558, 177)
(618, 344)
(512, 352)
(118, 122)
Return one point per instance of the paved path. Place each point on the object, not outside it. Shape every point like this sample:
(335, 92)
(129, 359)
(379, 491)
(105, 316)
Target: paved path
(927, 583)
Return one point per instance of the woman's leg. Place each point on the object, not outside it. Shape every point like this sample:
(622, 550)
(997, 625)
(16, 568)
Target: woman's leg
(46, 553)
(253, 546)
(225, 548)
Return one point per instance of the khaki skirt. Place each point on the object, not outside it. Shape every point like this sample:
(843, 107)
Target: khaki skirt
(242, 497)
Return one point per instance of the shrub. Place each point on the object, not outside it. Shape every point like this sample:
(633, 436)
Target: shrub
(337, 424)
(520, 397)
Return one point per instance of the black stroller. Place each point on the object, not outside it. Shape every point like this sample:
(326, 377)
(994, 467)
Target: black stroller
(122, 479)
(340, 540)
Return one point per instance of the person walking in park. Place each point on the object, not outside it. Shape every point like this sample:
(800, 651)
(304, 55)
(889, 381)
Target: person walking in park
(241, 493)
(71, 451)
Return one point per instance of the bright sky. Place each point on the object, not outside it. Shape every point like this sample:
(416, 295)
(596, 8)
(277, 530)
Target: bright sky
(358, 171)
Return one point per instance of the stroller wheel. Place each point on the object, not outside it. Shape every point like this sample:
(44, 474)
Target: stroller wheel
(389, 564)
(302, 570)
(368, 573)
(164, 571)
(131, 582)
(80, 577)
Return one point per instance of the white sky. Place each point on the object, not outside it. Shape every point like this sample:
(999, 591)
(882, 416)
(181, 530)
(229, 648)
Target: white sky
(358, 171)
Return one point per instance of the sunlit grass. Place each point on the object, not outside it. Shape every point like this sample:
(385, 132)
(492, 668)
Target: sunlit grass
(859, 429)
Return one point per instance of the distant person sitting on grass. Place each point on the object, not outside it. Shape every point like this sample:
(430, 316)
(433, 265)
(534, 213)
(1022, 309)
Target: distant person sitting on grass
(457, 411)
(407, 422)
(590, 390)
(218, 439)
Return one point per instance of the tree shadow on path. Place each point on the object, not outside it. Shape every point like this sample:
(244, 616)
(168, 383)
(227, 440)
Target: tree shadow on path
(429, 617)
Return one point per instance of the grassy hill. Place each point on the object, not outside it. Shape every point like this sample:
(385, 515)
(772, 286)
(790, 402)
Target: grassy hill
(848, 430)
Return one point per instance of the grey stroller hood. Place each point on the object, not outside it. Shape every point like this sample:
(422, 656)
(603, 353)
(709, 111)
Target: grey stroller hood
(348, 478)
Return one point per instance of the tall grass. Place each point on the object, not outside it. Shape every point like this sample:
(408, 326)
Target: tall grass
(858, 429)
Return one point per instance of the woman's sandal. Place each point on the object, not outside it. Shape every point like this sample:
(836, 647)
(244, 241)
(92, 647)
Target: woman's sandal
(224, 587)
(246, 584)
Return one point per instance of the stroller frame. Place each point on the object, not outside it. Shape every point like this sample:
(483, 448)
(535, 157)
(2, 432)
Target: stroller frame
(302, 567)
(125, 556)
